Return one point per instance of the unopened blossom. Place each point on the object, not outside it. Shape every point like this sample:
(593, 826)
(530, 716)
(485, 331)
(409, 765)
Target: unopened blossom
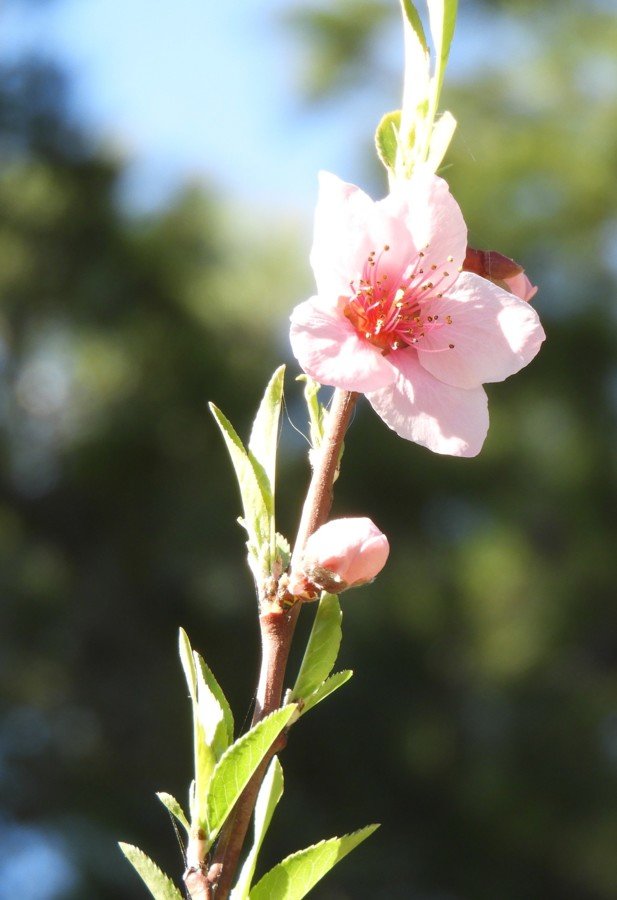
(501, 270)
(397, 319)
(343, 553)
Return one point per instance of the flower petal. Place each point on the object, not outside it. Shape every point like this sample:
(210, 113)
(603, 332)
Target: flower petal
(341, 240)
(330, 350)
(434, 221)
(493, 332)
(422, 409)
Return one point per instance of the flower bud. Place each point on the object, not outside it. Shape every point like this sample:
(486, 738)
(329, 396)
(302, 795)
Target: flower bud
(501, 270)
(343, 553)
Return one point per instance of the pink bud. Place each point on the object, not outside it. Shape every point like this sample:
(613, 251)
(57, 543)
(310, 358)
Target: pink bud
(521, 286)
(343, 553)
(501, 270)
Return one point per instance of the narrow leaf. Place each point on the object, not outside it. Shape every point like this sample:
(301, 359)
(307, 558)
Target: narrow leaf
(331, 684)
(270, 793)
(216, 689)
(443, 131)
(316, 411)
(386, 138)
(211, 718)
(188, 664)
(160, 886)
(204, 755)
(442, 19)
(410, 13)
(322, 648)
(172, 805)
(416, 87)
(296, 875)
(237, 765)
(264, 436)
(205, 763)
(255, 490)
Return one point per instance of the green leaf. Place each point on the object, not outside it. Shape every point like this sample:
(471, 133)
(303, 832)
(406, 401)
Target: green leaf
(410, 13)
(316, 411)
(283, 551)
(264, 436)
(172, 805)
(270, 793)
(238, 764)
(210, 680)
(294, 877)
(188, 664)
(442, 19)
(386, 138)
(160, 886)
(331, 684)
(443, 130)
(211, 717)
(322, 648)
(413, 131)
(204, 754)
(257, 500)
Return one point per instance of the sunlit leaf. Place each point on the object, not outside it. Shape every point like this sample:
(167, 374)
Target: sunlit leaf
(257, 500)
(443, 130)
(205, 756)
(416, 89)
(322, 648)
(270, 793)
(160, 886)
(216, 689)
(331, 684)
(296, 875)
(264, 436)
(442, 18)
(237, 765)
(386, 138)
(410, 13)
(211, 717)
(174, 808)
(188, 663)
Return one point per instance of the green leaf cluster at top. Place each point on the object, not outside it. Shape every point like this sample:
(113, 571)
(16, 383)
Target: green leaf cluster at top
(255, 469)
(414, 135)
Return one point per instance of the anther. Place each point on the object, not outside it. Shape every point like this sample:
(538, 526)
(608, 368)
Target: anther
(451, 346)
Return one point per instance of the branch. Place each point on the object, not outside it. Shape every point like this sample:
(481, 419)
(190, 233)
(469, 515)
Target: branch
(277, 629)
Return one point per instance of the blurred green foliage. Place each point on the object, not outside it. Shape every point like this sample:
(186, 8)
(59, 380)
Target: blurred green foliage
(481, 725)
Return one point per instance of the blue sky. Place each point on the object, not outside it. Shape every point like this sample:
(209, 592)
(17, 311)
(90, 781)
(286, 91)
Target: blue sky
(186, 88)
(208, 89)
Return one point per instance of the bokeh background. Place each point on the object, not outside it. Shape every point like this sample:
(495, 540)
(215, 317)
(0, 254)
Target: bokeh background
(156, 191)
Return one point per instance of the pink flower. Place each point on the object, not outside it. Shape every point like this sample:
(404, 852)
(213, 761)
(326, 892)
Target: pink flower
(501, 270)
(343, 553)
(396, 318)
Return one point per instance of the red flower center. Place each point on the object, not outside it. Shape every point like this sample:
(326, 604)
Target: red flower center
(390, 315)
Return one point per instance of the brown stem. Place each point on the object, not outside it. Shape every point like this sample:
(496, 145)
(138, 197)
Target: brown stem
(319, 495)
(277, 628)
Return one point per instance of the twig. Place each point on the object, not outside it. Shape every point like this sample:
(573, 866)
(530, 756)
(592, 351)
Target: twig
(277, 629)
